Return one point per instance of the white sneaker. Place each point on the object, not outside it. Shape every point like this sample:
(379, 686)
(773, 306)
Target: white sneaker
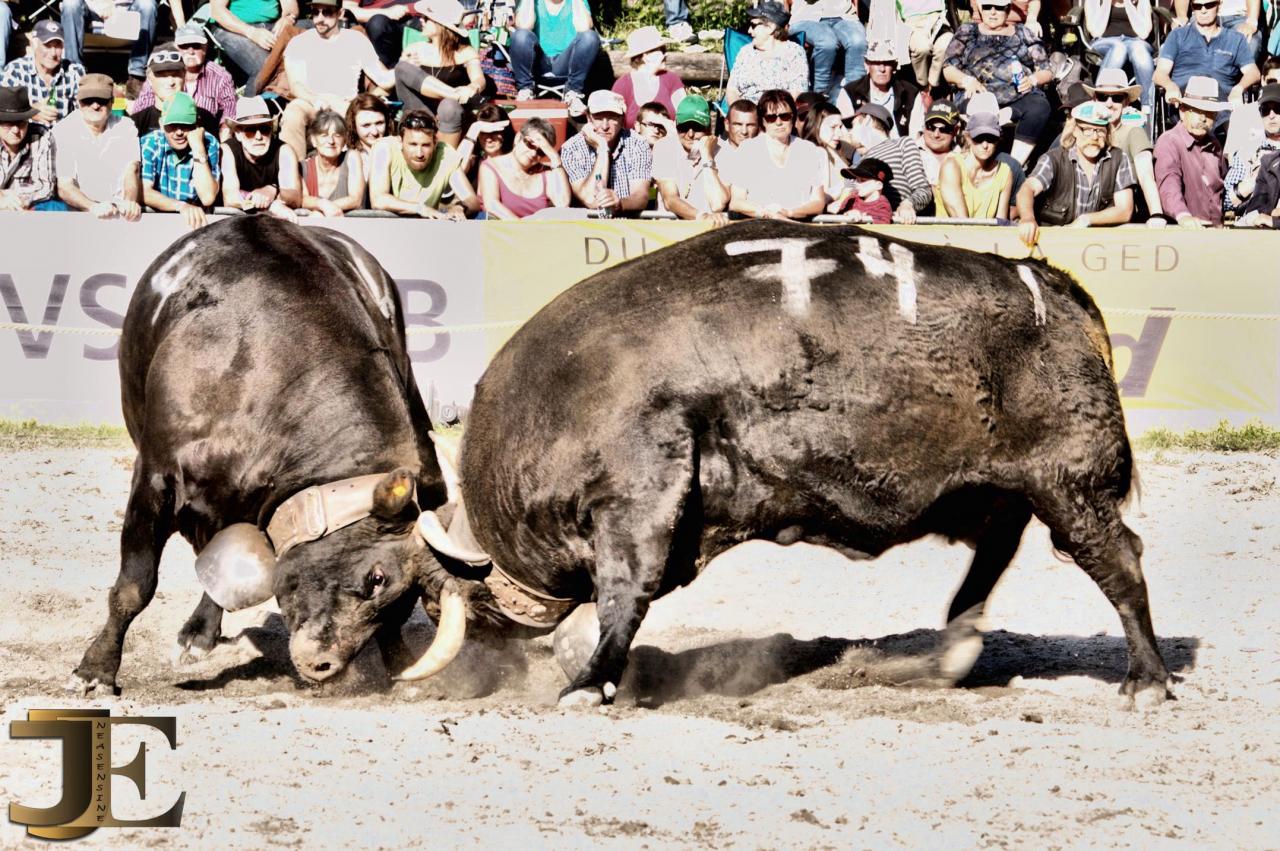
(577, 106)
(524, 94)
(682, 32)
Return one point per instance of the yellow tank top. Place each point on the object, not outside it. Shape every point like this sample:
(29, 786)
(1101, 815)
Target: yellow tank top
(983, 201)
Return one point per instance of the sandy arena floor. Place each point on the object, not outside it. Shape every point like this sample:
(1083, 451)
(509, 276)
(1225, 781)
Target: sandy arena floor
(755, 714)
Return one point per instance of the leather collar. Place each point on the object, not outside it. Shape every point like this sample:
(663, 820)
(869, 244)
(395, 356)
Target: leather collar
(319, 510)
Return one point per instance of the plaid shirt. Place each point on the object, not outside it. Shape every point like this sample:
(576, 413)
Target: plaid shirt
(33, 175)
(215, 92)
(61, 92)
(632, 159)
(1242, 165)
(1088, 187)
(169, 171)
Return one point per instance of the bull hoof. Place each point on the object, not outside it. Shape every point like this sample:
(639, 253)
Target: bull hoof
(576, 638)
(185, 656)
(1139, 696)
(588, 697)
(78, 686)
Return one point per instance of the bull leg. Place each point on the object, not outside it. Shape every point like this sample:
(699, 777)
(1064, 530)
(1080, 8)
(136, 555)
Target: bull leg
(994, 549)
(632, 545)
(1090, 530)
(201, 632)
(148, 522)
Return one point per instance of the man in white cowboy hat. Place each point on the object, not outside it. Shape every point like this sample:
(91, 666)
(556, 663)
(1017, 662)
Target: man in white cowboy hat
(556, 36)
(1113, 93)
(259, 172)
(1086, 185)
(1245, 163)
(832, 27)
(48, 76)
(882, 86)
(1205, 48)
(26, 154)
(1190, 166)
(97, 158)
(324, 65)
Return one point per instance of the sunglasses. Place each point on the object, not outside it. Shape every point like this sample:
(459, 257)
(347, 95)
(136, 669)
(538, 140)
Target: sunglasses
(939, 127)
(255, 130)
(1269, 109)
(325, 12)
(1200, 7)
(771, 117)
(417, 122)
(755, 24)
(991, 7)
(1111, 97)
(165, 56)
(657, 128)
(185, 128)
(690, 127)
(95, 102)
(986, 139)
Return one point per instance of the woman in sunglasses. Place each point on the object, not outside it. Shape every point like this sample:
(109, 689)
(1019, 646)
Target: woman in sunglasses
(1009, 61)
(442, 74)
(779, 175)
(1120, 29)
(824, 127)
(528, 179)
(771, 61)
(976, 184)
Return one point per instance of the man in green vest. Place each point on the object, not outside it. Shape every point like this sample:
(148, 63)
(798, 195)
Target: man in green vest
(1086, 185)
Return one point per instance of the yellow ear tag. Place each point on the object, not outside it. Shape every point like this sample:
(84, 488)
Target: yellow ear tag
(399, 491)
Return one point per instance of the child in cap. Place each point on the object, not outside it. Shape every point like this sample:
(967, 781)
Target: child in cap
(864, 200)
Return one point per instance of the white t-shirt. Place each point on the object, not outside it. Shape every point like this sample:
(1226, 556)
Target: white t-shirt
(792, 184)
(331, 66)
(671, 162)
(96, 162)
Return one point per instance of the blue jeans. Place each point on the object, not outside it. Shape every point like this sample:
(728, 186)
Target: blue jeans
(828, 36)
(243, 54)
(6, 27)
(53, 205)
(527, 59)
(675, 12)
(1120, 50)
(74, 14)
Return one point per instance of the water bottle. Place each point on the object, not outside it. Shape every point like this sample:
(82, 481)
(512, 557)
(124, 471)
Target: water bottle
(1015, 73)
(604, 212)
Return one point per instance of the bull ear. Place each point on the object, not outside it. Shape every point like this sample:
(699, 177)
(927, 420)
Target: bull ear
(393, 493)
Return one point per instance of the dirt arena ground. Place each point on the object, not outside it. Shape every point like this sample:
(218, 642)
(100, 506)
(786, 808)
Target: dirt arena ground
(756, 713)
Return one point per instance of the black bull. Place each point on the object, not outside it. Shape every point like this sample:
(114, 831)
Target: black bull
(788, 382)
(259, 359)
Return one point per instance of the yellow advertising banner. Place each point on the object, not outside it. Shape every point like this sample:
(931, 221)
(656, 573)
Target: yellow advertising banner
(1194, 316)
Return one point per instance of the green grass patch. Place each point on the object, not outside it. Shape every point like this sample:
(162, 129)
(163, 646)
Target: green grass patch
(620, 19)
(28, 434)
(1250, 437)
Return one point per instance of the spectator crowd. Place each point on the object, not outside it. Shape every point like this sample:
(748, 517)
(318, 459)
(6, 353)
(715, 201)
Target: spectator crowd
(1010, 110)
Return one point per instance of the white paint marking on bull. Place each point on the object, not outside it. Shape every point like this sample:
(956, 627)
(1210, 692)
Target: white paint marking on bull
(172, 276)
(377, 288)
(903, 269)
(794, 270)
(1037, 299)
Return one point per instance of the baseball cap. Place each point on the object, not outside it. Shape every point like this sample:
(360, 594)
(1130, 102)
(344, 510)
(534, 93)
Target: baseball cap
(181, 110)
(165, 58)
(944, 111)
(47, 31)
(869, 168)
(1270, 94)
(190, 34)
(983, 124)
(606, 100)
(95, 86)
(695, 109)
(878, 112)
(1092, 112)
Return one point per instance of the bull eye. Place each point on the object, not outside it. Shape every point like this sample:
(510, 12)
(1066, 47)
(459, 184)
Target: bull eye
(375, 581)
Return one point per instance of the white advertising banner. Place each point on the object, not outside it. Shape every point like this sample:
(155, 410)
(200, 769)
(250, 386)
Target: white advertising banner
(75, 275)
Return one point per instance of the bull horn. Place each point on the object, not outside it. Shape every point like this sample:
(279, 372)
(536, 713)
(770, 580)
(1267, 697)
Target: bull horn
(450, 633)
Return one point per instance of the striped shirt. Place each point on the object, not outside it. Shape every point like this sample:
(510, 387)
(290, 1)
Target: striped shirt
(214, 91)
(61, 91)
(169, 171)
(910, 182)
(32, 167)
(1088, 187)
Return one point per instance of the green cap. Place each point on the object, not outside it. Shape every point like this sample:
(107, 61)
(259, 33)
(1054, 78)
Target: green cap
(694, 108)
(181, 110)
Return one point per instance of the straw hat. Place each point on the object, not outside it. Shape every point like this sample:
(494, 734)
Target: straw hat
(1113, 80)
(1202, 93)
(641, 41)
